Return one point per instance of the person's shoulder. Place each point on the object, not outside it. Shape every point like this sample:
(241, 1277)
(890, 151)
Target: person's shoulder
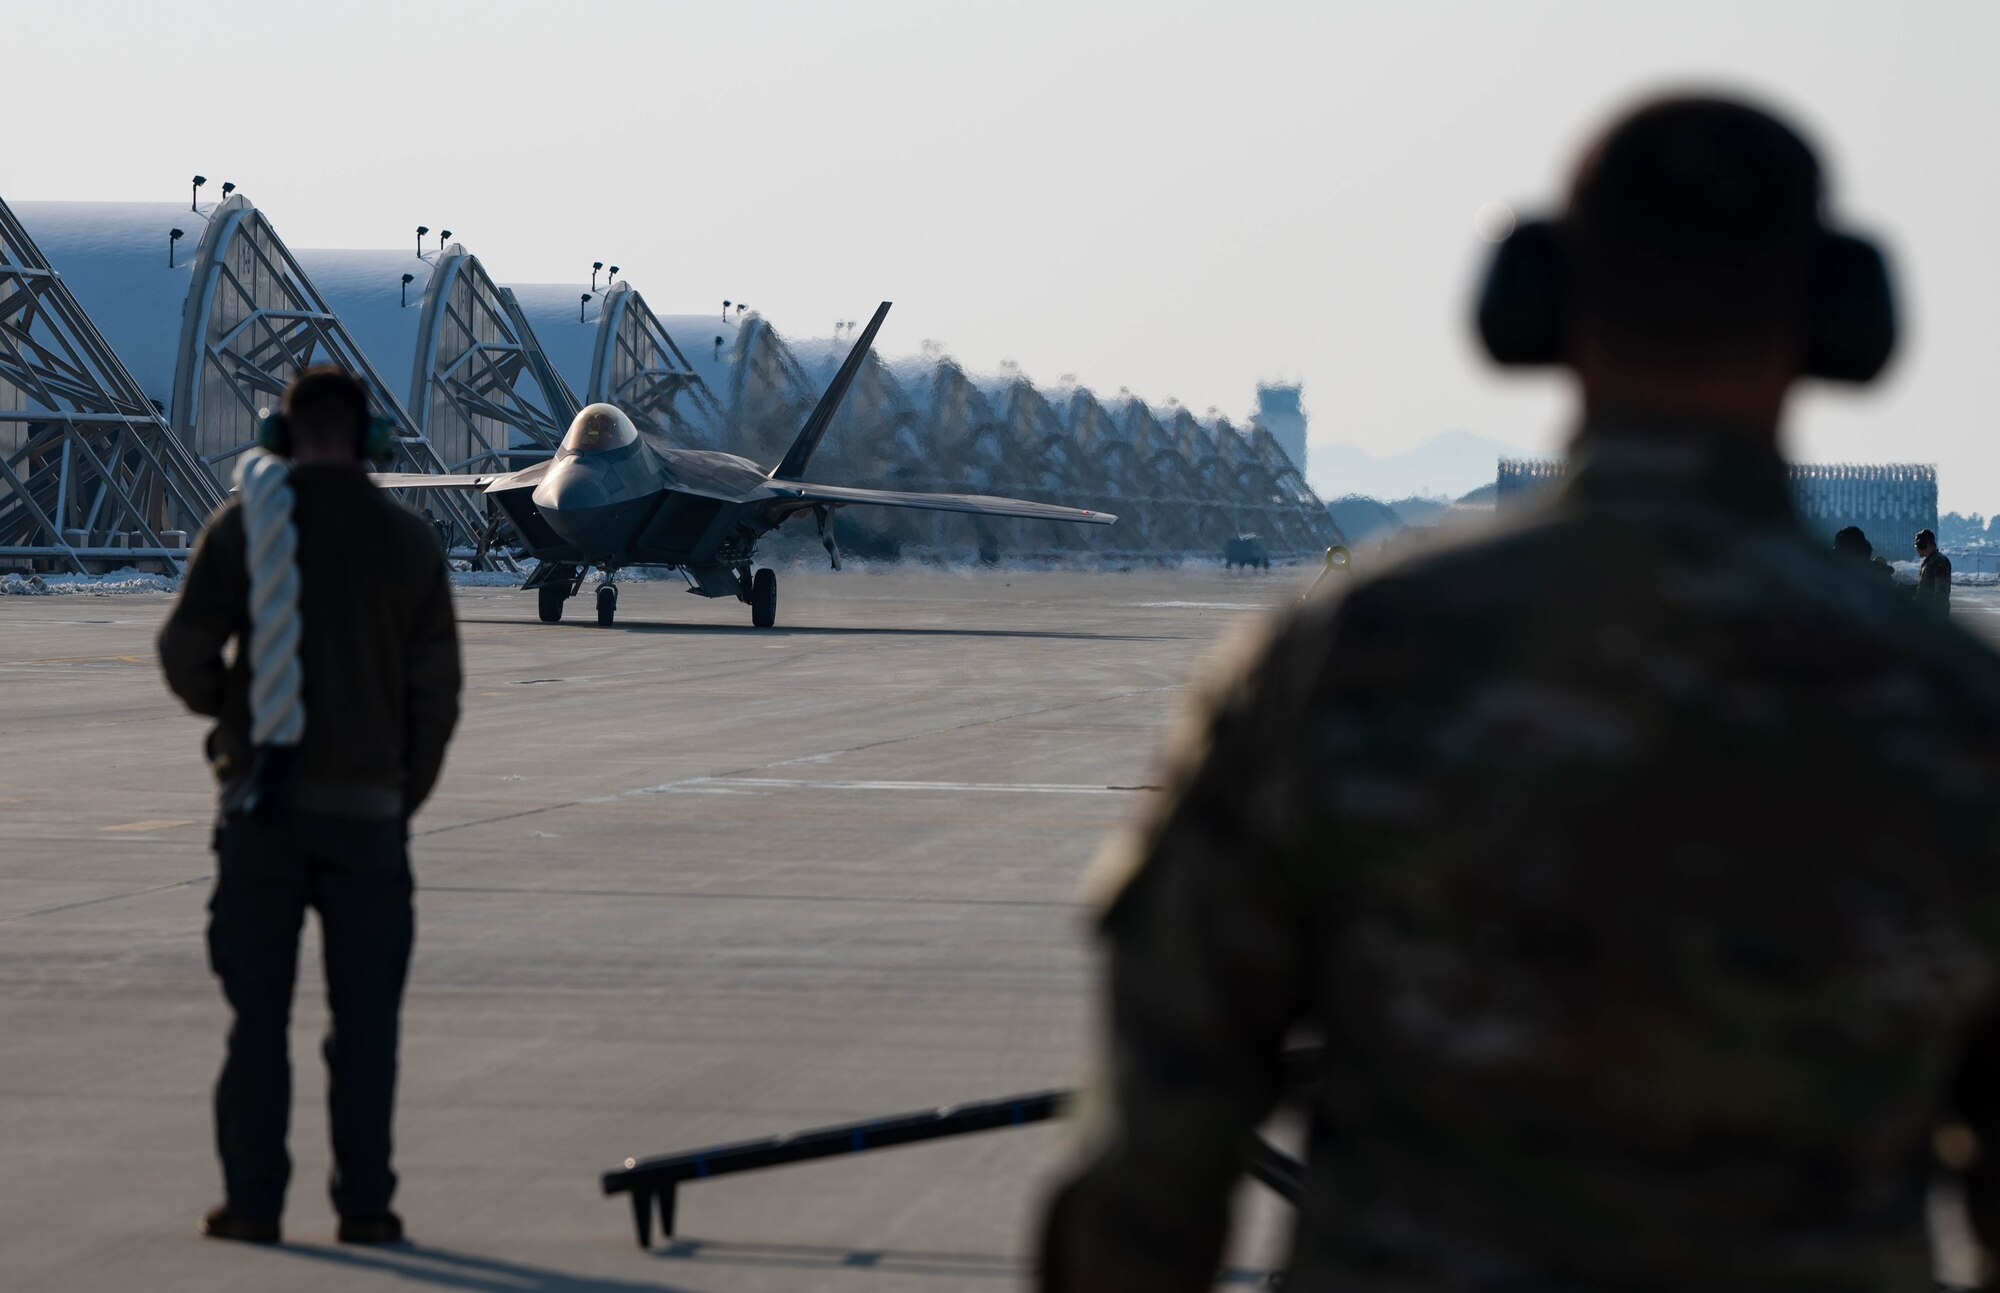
(1489, 566)
(224, 525)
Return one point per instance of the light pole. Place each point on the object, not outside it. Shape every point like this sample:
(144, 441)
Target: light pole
(194, 198)
(407, 280)
(580, 306)
(422, 229)
(173, 236)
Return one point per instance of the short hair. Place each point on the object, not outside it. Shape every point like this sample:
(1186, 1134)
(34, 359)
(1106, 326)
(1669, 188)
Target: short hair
(328, 406)
(1927, 538)
(1851, 542)
(1691, 226)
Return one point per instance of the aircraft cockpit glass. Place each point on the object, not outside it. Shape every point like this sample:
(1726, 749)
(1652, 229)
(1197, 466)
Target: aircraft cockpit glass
(597, 429)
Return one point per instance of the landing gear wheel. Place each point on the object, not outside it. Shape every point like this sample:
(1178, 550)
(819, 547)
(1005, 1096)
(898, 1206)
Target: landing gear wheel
(607, 604)
(764, 598)
(552, 597)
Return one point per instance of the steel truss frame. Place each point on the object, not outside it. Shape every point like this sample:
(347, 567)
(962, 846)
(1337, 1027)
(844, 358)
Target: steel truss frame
(1291, 495)
(479, 374)
(639, 368)
(253, 319)
(91, 476)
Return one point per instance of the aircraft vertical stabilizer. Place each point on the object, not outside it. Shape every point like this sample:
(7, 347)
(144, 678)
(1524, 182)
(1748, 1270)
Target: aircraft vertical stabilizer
(814, 430)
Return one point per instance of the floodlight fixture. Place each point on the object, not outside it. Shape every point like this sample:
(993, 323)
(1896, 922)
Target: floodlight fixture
(725, 310)
(422, 229)
(407, 280)
(595, 266)
(194, 197)
(444, 235)
(581, 306)
(610, 275)
(228, 187)
(173, 236)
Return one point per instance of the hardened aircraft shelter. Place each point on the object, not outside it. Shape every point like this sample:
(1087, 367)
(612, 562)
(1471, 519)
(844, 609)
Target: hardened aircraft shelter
(191, 319)
(1180, 487)
(91, 476)
(212, 314)
(474, 375)
(610, 347)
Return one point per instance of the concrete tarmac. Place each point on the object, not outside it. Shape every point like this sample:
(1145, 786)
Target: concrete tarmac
(684, 882)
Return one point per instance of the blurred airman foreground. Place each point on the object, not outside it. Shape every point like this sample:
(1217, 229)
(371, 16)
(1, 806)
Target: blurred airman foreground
(1636, 863)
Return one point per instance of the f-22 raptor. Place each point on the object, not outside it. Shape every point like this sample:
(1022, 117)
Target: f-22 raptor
(608, 500)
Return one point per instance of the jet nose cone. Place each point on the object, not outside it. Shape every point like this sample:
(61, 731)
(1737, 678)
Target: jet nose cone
(587, 505)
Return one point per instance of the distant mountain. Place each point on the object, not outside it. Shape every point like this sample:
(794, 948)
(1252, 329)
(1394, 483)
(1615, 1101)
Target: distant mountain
(1445, 466)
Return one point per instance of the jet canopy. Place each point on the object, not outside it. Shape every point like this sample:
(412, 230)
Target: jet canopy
(599, 428)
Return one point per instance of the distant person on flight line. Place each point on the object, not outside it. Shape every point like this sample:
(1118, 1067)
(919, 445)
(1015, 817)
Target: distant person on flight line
(1933, 575)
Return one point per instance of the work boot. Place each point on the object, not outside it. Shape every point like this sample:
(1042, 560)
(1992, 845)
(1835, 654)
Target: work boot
(384, 1228)
(221, 1223)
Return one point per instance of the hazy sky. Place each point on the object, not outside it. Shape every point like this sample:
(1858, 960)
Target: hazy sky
(1180, 199)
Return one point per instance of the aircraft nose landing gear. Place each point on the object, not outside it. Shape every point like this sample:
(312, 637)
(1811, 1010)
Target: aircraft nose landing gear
(607, 604)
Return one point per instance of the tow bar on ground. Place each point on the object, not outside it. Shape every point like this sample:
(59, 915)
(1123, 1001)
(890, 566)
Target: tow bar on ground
(655, 1182)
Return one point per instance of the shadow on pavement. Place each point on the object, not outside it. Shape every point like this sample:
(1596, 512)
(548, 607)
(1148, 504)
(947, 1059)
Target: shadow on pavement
(890, 1261)
(745, 630)
(443, 1268)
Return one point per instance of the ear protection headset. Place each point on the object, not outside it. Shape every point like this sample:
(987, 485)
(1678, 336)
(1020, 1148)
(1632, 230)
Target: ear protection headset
(1850, 310)
(375, 442)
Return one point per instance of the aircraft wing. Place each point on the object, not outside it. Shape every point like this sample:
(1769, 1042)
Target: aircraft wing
(428, 480)
(977, 504)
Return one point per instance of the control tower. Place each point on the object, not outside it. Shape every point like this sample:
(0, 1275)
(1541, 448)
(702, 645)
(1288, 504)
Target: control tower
(1280, 413)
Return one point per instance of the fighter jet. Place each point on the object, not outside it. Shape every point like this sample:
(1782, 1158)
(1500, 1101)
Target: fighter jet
(608, 501)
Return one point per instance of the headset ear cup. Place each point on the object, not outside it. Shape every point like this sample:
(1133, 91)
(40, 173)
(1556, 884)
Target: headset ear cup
(273, 435)
(378, 442)
(1520, 310)
(1851, 326)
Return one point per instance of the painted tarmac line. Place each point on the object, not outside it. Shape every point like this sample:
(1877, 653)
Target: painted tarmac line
(109, 897)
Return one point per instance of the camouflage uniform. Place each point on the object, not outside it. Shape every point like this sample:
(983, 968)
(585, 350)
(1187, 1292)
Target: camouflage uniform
(1934, 582)
(1637, 865)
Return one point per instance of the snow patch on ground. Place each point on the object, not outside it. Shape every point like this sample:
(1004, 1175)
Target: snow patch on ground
(1906, 573)
(106, 585)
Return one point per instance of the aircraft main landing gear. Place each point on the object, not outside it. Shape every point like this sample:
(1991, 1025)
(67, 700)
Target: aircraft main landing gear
(552, 598)
(607, 604)
(764, 598)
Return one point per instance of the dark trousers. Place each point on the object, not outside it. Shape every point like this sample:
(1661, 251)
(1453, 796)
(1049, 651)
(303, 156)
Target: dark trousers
(356, 874)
